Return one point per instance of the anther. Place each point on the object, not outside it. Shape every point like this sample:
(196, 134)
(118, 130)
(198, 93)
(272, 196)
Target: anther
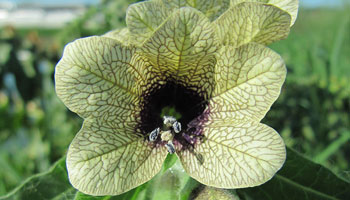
(169, 121)
(154, 134)
(177, 127)
(170, 147)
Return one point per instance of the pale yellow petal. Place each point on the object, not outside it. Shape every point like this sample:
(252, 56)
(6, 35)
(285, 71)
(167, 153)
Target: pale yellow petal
(210, 8)
(143, 19)
(252, 22)
(290, 6)
(235, 155)
(248, 81)
(121, 35)
(182, 50)
(108, 159)
(97, 76)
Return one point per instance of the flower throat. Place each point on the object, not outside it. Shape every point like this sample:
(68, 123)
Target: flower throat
(170, 100)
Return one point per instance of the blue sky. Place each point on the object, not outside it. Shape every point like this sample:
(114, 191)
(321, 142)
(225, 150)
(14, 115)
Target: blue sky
(305, 3)
(316, 3)
(53, 1)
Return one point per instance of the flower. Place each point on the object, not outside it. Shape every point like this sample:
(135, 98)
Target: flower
(205, 59)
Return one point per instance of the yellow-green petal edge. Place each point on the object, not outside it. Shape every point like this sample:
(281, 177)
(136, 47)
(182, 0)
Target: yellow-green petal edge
(236, 150)
(182, 50)
(143, 19)
(235, 155)
(210, 8)
(102, 80)
(248, 80)
(252, 22)
(105, 159)
(96, 75)
(121, 35)
(290, 6)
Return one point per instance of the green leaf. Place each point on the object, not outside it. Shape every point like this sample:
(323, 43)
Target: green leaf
(52, 184)
(166, 186)
(169, 184)
(131, 195)
(333, 148)
(169, 161)
(191, 184)
(5, 52)
(300, 178)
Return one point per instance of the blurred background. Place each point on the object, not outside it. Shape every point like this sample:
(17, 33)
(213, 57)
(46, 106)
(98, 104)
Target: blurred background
(312, 113)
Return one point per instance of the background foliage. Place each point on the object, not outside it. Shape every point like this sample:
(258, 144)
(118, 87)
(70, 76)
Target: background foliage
(312, 113)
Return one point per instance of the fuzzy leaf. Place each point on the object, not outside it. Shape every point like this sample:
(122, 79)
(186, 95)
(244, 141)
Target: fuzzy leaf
(52, 184)
(300, 178)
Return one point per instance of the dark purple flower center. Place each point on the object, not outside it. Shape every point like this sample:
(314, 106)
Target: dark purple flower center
(187, 102)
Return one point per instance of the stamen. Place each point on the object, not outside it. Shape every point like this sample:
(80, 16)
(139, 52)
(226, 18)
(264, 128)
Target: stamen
(177, 127)
(169, 121)
(170, 147)
(167, 135)
(154, 134)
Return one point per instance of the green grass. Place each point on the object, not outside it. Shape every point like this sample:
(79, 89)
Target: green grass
(318, 47)
(312, 113)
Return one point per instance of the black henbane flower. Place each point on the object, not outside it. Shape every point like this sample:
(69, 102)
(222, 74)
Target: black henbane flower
(204, 59)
